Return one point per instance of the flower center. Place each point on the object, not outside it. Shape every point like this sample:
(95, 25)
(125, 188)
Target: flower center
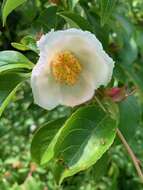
(66, 68)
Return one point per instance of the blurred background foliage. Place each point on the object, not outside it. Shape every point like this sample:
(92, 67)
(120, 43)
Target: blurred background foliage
(119, 26)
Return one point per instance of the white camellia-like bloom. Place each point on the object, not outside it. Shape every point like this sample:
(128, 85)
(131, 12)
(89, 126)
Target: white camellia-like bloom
(71, 66)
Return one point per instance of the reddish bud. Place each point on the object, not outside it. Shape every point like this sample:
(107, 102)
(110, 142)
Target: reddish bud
(116, 94)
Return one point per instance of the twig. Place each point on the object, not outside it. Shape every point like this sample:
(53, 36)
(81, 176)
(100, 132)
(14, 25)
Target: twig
(131, 154)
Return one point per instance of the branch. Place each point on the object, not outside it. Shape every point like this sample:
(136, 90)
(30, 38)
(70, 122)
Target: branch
(131, 154)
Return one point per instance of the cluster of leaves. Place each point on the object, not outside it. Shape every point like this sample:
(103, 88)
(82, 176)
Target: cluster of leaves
(80, 138)
(17, 171)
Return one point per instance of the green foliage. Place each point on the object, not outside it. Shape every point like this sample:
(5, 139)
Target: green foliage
(48, 14)
(8, 85)
(14, 68)
(14, 61)
(9, 6)
(113, 168)
(91, 129)
(42, 147)
(29, 184)
(106, 10)
(129, 120)
(69, 141)
(26, 43)
(76, 21)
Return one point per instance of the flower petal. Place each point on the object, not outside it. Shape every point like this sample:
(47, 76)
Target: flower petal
(100, 68)
(45, 90)
(77, 94)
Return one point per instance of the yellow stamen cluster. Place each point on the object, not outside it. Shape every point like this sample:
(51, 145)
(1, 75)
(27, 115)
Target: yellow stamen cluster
(66, 68)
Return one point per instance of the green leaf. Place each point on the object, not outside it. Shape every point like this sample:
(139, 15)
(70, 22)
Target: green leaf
(44, 140)
(134, 75)
(27, 43)
(101, 167)
(47, 19)
(139, 39)
(84, 138)
(107, 7)
(28, 11)
(14, 61)
(9, 83)
(128, 54)
(76, 21)
(124, 25)
(130, 115)
(19, 46)
(9, 6)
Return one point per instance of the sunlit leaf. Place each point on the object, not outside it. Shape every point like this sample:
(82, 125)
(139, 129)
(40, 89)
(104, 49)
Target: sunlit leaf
(84, 138)
(14, 61)
(26, 43)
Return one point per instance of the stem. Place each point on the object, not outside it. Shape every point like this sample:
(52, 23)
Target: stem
(126, 145)
(100, 104)
(131, 154)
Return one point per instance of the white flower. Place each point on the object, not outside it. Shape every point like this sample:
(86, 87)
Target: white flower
(71, 66)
